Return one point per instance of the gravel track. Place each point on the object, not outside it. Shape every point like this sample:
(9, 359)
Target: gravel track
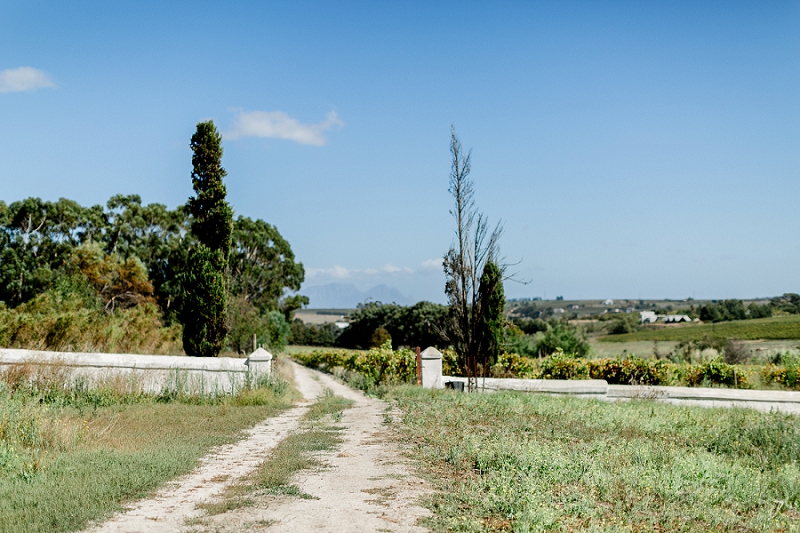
(365, 485)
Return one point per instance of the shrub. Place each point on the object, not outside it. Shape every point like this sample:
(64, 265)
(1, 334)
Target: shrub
(562, 336)
(715, 372)
(561, 366)
(380, 365)
(511, 365)
(786, 374)
(632, 371)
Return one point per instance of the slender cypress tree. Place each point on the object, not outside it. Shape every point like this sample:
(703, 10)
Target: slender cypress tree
(491, 322)
(203, 313)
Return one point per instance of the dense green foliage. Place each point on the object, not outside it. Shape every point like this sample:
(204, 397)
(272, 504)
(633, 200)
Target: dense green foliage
(421, 324)
(70, 276)
(491, 323)
(549, 337)
(303, 334)
(205, 325)
(778, 327)
(377, 366)
(726, 310)
(522, 462)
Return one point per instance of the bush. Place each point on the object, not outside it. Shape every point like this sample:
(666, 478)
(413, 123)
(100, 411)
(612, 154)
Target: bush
(421, 324)
(380, 365)
(561, 335)
(632, 371)
(561, 366)
(786, 373)
(66, 319)
(511, 365)
(303, 334)
(715, 372)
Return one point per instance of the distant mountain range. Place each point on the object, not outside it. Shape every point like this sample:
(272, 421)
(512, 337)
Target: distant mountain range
(346, 296)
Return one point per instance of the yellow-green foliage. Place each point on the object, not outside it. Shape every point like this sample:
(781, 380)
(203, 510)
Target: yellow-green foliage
(385, 366)
(52, 321)
(382, 365)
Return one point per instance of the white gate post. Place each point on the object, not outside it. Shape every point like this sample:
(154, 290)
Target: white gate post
(259, 362)
(431, 368)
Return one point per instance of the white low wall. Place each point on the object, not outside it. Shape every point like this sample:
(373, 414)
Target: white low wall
(760, 400)
(147, 373)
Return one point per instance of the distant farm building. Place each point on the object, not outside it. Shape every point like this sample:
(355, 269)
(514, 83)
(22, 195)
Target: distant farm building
(608, 302)
(673, 319)
(647, 317)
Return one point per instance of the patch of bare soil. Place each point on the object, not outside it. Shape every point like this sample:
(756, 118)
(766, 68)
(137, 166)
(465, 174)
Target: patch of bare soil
(365, 484)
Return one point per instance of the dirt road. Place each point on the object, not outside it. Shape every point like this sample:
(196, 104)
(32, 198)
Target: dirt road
(366, 484)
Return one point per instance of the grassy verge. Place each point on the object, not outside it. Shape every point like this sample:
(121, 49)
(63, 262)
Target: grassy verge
(68, 457)
(295, 453)
(780, 327)
(516, 462)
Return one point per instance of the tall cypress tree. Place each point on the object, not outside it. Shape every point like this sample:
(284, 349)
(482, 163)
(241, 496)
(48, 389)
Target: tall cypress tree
(203, 312)
(491, 322)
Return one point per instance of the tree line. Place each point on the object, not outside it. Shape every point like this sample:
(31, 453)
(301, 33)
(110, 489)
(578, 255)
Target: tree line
(127, 253)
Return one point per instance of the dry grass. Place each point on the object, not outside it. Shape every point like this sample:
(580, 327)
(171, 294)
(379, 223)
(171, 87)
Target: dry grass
(70, 453)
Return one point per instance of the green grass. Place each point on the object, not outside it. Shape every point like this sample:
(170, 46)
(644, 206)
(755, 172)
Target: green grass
(781, 327)
(75, 456)
(516, 462)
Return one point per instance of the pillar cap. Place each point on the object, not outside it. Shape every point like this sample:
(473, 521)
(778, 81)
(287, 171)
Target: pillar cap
(430, 353)
(259, 355)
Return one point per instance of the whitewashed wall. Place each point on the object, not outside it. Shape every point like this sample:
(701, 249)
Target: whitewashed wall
(148, 373)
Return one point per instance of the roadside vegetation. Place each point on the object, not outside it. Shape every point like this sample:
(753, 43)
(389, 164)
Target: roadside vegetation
(70, 454)
(517, 462)
(372, 370)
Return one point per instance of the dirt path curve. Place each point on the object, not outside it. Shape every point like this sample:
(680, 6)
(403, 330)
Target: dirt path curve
(366, 486)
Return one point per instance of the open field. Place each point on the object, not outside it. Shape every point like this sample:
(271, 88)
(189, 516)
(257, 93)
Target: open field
(70, 458)
(321, 316)
(780, 327)
(517, 462)
(759, 349)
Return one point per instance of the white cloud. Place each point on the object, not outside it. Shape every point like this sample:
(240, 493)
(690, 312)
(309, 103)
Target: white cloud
(340, 272)
(431, 264)
(279, 125)
(336, 272)
(23, 79)
(392, 269)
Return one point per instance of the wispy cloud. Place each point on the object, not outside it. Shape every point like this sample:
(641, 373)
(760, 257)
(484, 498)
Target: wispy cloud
(431, 264)
(341, 273)
(337, 272)
(23, 79)
(279, 125)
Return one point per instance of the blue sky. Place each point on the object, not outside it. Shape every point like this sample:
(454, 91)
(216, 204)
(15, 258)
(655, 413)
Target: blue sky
(632, 149)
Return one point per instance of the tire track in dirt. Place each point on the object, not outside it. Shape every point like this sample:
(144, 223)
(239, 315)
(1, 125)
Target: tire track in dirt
(366, 484)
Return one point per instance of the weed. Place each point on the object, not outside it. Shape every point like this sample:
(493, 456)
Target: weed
(510, 461)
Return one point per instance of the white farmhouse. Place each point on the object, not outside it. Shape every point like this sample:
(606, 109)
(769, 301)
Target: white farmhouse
(674, 319)
(647, 317)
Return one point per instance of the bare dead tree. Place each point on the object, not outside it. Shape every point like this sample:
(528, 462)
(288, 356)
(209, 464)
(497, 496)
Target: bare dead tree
(475, 245)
